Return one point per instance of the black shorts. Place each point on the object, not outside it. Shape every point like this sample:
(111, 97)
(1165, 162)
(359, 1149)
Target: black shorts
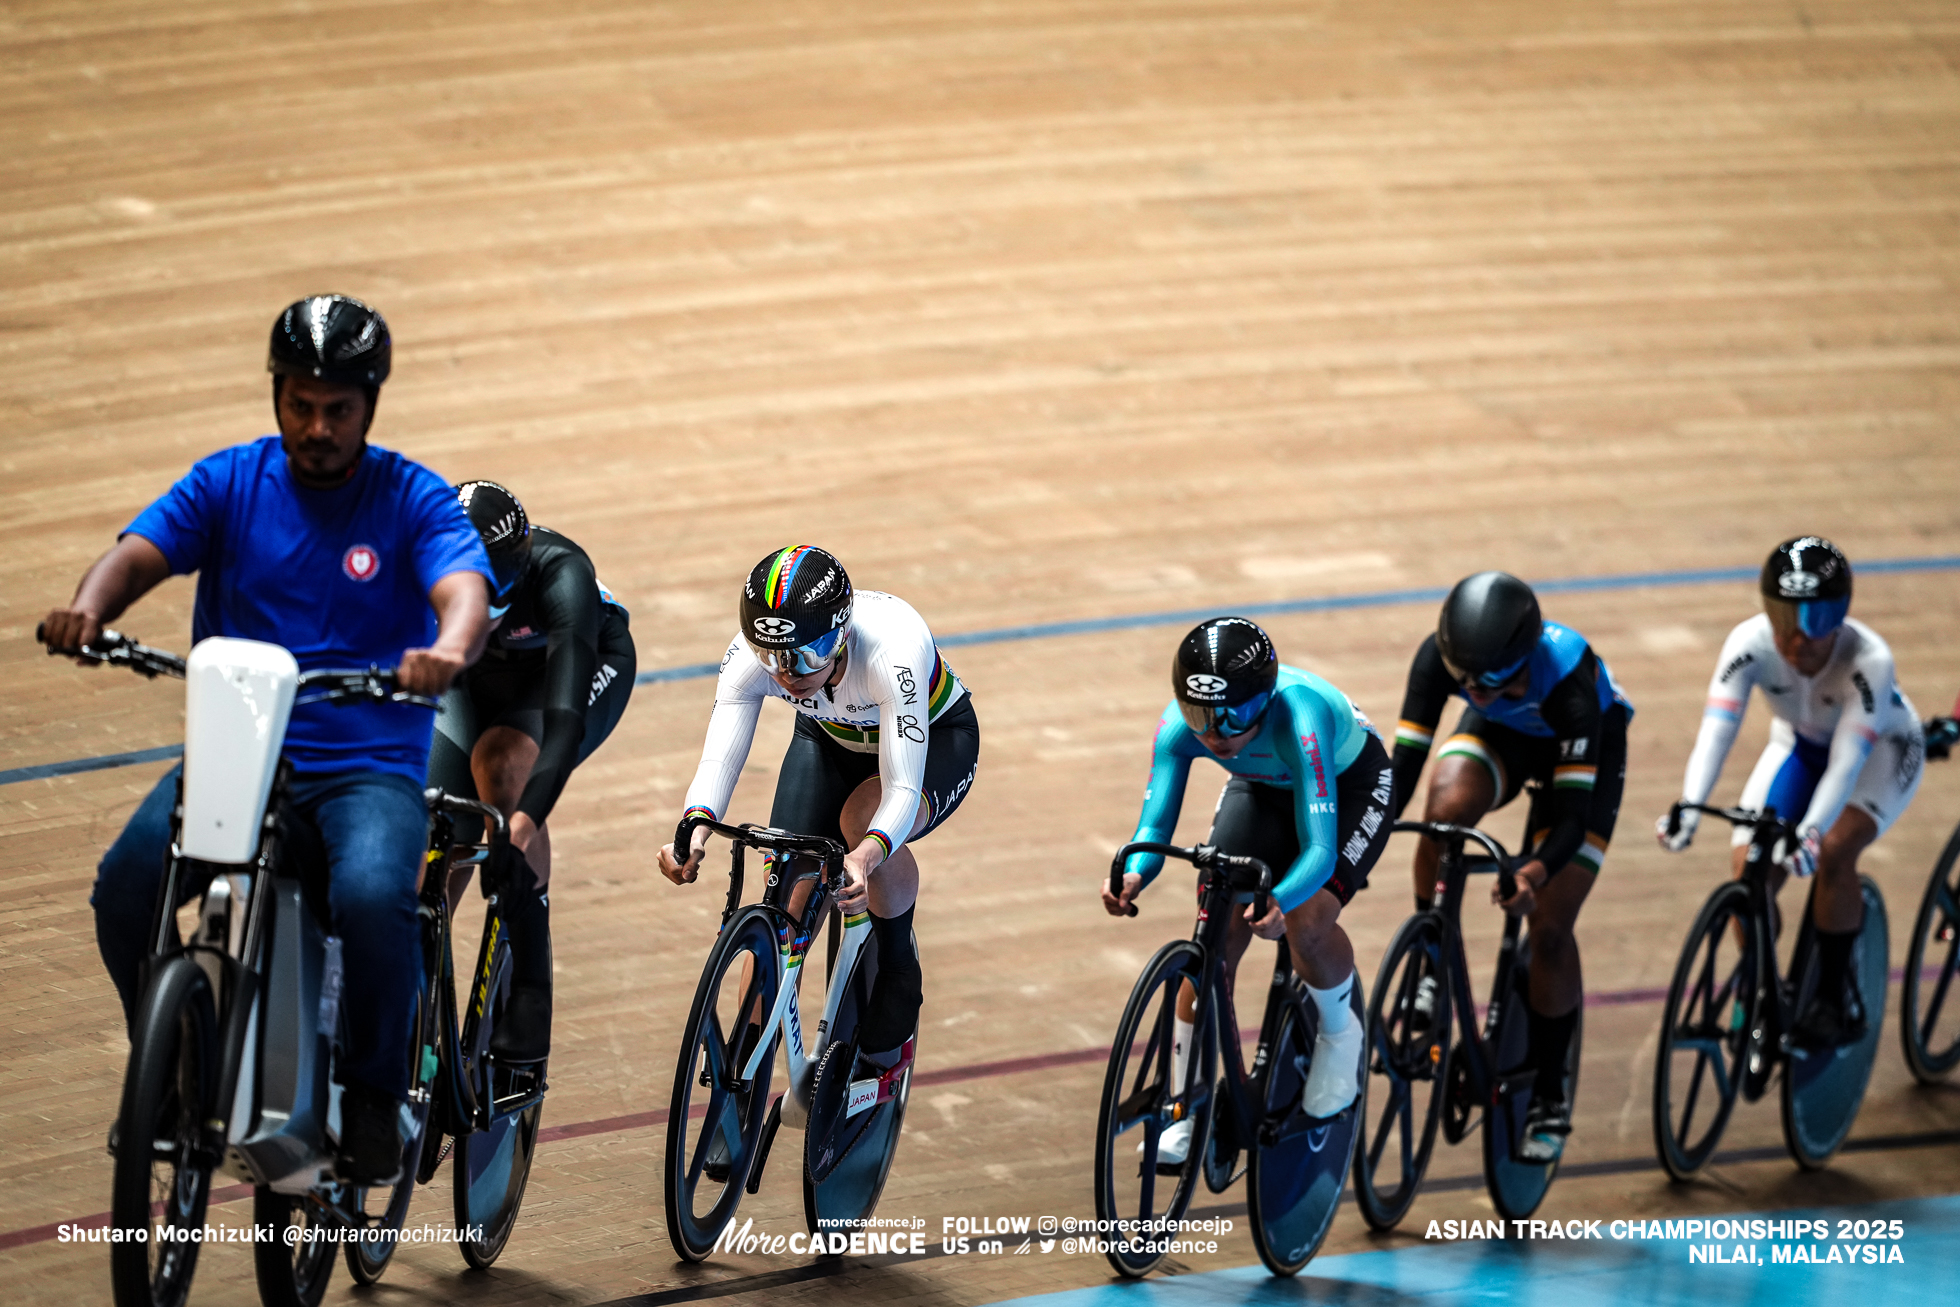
(1515, 758)
(819, 774)
(1256, 820)
(498, 694)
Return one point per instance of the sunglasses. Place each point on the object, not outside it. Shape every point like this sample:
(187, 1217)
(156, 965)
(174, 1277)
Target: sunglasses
(802, 660)
(1491, 680)
(1233, 719)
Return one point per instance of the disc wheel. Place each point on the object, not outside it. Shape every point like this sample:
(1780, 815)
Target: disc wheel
(1517, 1186)
(714, 1123)
(1823, 1088)
(1300, 1163)
(295, 1273)
(163, 1163)
(1705, 1032)
(1929, 1024)
(386, 1208)
(493, 1165)
(1408, 1051)
(848, 1157)
(1139, 1101)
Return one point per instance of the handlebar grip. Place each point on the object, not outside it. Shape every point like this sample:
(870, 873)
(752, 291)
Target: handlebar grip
(1674, 819)
(41, 634)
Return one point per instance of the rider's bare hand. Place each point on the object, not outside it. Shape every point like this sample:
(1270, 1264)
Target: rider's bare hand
(675, 870)
(1525, 886)
(1124, 904)
(859, 863)
(71, 628)
(428, 671)
(1270, 926)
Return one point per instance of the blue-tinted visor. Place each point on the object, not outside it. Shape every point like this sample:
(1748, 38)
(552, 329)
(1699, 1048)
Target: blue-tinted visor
(1225, 719)
(1494, 679)
(1820, 617)
(802, 660)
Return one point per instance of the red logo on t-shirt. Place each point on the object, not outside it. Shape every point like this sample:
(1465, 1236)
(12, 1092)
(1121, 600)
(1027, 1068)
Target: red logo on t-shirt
(360, 563)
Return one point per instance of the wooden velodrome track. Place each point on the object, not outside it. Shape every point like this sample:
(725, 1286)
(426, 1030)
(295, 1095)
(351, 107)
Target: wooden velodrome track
(1031, 312)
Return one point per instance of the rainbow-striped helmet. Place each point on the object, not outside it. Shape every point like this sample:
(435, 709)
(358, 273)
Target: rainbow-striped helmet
(795, 607)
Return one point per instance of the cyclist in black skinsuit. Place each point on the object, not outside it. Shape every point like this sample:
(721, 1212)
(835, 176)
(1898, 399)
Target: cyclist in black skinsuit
(548, 691)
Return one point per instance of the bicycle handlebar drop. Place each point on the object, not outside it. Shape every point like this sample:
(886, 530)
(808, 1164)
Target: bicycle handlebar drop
(1443, 830)
(1204, 857)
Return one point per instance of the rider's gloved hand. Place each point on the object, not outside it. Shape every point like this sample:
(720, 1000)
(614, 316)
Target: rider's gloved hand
(1803, 859)
(1684, 832)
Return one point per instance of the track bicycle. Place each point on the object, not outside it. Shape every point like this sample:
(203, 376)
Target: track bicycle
(236, 1031)
(1296, 1164)
(1932, 1045)
(850, 1107)
(1726, 1029)
(1430, 1080)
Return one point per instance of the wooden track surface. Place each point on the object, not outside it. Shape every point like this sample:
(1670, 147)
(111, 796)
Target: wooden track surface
(1029, 311)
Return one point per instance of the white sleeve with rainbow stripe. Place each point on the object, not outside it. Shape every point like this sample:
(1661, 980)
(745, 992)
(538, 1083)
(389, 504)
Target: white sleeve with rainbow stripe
(731, 729)
(1721, 717)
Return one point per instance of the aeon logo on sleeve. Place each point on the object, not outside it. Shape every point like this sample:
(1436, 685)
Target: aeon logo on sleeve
(361, 563)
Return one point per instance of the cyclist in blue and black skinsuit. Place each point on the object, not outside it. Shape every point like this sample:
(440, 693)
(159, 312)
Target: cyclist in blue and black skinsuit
(1309, 797)
(345, 554)
(1542, 706)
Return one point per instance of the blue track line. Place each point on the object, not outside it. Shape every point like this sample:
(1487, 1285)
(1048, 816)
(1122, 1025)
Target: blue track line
(1135, 621)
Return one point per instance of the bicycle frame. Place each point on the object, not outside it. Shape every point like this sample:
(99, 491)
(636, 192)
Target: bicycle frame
(1217, 1010)
(1452, 880)
(794, 934)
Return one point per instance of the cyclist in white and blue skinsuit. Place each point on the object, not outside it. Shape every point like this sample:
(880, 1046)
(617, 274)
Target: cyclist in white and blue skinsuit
(1309, 797)
(1844, 758)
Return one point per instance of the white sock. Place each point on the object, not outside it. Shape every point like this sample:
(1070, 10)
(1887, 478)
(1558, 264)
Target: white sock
(1333, 1004)
(1180, 1054)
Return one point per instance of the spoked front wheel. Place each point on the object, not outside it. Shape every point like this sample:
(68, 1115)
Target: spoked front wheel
(1823, 1087)
(293, 1269)
(714, 1120)
(1929, 1015)
(1705, 1032)
(1141, 1102)
(163, 1161)
(1300, 1163)
(856, 1112)
(1408, 1050)
(386, 1209)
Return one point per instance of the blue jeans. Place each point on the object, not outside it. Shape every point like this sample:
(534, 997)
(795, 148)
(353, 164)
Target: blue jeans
(368, 832)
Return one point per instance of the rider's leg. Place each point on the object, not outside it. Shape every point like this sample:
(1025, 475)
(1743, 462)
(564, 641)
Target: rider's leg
(127, 881)
(372, 826)
(1467, 783)
(1556, 985)
(501, 765)
(1835, 1013)
(893, 1012)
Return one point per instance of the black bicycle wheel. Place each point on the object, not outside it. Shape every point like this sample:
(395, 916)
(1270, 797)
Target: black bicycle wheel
(1711, 1008)
(386, 1209)
(1929, 1026)
(1299, 1163)
(292, 1274)
(163, 1162)
(851, 1138)
(1408, 1050)
(492, 1165)
(712, 1143)
(1516, 1186)
(1139, 1100)
(1823, 1088)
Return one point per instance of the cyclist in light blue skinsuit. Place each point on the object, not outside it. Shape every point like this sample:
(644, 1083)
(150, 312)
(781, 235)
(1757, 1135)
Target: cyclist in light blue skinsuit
(1309, 796)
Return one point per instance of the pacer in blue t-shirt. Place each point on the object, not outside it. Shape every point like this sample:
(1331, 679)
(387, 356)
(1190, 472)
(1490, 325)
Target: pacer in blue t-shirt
(347, 555)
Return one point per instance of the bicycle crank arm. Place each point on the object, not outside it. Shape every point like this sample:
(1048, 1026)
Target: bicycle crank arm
(769, 1129)
(867, 1094)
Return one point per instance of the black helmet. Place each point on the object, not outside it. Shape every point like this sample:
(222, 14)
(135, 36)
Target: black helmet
(331, 338)
(1490, 625)
(505, 531)
(1807, 583)
(794, 609)
(1223, 675)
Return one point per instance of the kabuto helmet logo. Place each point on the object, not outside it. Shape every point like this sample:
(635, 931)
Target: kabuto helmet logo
(1206, 686)
(774, 628)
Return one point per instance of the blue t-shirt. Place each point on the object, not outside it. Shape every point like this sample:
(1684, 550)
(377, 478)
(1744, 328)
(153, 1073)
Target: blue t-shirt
(340, 577)
(1310, 735)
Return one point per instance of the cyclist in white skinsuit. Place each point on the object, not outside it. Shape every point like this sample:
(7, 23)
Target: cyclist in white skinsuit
(1844, 758)
(885, 748)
